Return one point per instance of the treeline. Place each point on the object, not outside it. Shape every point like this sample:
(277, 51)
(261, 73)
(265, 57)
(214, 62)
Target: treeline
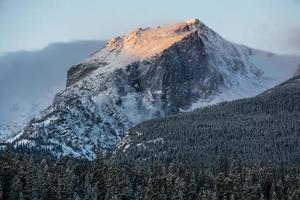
(24, 176)
(262, 129)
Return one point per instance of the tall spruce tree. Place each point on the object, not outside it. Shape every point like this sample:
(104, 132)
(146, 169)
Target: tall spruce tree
(98, 175)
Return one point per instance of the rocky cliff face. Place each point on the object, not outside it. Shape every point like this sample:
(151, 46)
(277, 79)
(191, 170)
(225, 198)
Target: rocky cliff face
(147, 74)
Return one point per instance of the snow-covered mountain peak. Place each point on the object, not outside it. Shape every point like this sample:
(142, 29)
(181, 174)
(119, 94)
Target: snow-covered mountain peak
(146, 42)
(149, 73)
(138, 45)
(193, 21)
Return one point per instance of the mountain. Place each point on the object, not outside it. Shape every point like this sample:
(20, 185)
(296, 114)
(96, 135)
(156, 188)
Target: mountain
(260, 129)
(29, 80)
(149, 73)
(8, 130)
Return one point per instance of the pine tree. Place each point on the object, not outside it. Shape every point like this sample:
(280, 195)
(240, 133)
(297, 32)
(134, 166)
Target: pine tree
(46, 187)
(99, 175)
(16, 189)
(29, 185)
(178, 190)
(112, 189)
(267, 186)
(149, 190)
(21, 179)
(162, 194)
(65, 185)
(170, 179)
(274, 196)
(192, 187)
(76, 196)
(126, 186)
(139, 194)
(220, 185)
(207, 195)
(90, 192)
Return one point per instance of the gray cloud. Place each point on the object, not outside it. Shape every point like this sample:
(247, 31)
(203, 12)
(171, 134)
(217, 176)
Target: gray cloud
(295, 40)
(29, 79)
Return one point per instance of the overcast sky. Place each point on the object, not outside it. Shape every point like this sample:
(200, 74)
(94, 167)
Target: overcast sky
(272, 25)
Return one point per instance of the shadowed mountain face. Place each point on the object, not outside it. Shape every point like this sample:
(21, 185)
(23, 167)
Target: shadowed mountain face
(149, 73)
(262, 129)
(30, 79)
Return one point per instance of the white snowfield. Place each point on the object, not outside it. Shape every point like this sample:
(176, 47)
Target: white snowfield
(245, 72)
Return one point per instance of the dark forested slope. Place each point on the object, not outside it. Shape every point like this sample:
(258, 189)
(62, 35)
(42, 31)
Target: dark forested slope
(262, 129)
(33, 177)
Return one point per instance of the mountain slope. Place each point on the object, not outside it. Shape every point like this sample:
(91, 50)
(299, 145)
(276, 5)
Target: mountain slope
(263, 129)
(149, 73)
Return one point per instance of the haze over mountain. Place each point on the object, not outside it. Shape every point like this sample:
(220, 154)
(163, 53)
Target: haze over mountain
(149, 73)
(30, 79)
